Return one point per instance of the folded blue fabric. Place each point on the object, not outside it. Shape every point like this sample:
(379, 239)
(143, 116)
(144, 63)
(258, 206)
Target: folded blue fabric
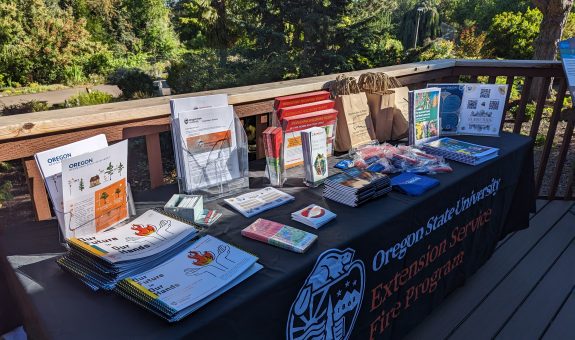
(412, 184)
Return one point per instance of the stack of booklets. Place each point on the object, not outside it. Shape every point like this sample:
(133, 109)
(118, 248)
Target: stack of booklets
(313, 216)
(300, 112)
(102, 259)
(279, 235)
(199, 273)
(460, 151)
(273, 143)
(253, 203)
(314, 155)
(354, 186)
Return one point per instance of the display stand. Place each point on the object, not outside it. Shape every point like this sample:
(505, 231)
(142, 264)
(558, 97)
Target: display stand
(219, 184)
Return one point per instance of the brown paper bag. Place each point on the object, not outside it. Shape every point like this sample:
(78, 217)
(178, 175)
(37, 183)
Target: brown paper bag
(354, 125)
(400, 113)
(381, 106)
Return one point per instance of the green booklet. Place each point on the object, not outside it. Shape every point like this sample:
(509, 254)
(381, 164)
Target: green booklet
(424, 118)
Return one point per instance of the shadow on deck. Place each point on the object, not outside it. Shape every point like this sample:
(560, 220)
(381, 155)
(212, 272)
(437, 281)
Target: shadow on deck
(525, 291)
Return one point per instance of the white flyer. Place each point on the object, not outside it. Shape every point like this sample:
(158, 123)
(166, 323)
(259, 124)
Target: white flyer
(94, 190)
(208, 142)
(190, 104)
(50, 165)
(482, 109)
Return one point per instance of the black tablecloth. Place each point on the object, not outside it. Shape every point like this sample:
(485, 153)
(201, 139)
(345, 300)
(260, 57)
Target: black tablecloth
(375, 272)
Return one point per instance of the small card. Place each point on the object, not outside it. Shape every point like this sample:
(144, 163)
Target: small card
(313, 216)
(208, 217)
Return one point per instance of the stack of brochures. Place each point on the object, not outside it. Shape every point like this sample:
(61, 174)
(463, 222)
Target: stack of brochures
(313, 216)
(460, 151)
(314, 155)
(197, 274)
(253, 203)
(101, 260)
(279, 235)
(354, 186)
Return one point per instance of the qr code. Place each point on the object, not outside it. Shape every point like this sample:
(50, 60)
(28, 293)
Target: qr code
(494, 105)
(485, 93)
(472, 105)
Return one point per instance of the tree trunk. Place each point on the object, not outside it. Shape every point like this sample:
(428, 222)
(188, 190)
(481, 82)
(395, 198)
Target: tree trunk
(555, 14)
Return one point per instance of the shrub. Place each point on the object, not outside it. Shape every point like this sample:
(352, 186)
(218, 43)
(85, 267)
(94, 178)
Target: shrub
(438, 49)
(132, 80)
(5, 192)
(90, 98)
(31, 106)
(511, 35)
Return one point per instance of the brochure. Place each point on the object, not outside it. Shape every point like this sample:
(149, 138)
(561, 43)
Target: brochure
(208, 144)
(294, 125)
(450, 107)
(189, 104)
(255, 202)
(273, 146)
(279, 235)
(50, 165)
(313, 215)
(189, 280)
(94, 190)
(424, 119)
(314, 155)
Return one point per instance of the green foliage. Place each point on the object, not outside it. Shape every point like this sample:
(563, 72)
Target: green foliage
(5, 192)
(89, 98)
(511, 35)
(27, 107)
(470, 44)
(132, 80)
(422, 19)
(465, 13)
(569, 29)
(439, 49)
(5, 166)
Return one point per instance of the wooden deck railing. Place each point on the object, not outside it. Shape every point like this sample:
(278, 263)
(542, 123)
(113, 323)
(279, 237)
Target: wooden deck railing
(21, 136)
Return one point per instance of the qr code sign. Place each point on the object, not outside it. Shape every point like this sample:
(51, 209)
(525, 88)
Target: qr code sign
(494, 105)
(472, 105)
(485, 93)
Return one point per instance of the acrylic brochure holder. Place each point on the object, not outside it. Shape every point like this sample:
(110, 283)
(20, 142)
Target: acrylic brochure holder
(214, 178)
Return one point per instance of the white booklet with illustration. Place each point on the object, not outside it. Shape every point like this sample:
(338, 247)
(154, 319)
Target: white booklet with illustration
(208, 142)
(50, 165)
(255, 202)
(149, 234)
(95, 190)
(193, 275)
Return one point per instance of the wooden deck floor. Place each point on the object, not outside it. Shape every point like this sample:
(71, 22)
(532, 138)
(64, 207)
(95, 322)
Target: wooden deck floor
(525, 291)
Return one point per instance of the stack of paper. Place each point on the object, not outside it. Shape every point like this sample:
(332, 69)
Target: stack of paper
(314, 155)
(354, 187)
(313, 216)
(253, 203)
(279, 235)
(460, 151)
(273, 143)
(205, 145)
(100, 260)
(195, 276)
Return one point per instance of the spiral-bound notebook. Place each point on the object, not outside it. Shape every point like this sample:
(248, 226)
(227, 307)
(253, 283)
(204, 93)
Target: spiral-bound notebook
(102, 259)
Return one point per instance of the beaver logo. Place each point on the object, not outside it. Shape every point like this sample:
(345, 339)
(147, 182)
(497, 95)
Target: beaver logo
(328, 304)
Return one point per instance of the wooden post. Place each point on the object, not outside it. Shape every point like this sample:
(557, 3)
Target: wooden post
(261, 125)
(37, 190)
(155, 160)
